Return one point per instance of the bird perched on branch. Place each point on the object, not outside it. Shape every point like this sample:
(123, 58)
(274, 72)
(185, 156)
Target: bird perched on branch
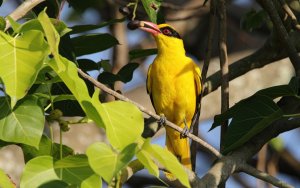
(174, 86)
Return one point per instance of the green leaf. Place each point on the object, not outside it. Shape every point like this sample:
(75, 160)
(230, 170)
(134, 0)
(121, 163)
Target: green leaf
(108, 78)
(51, 34)
(151, 7)
(141, 53)
(92, 43)
(146, 158)
(37, 172)
(35, 24)
(92, 182)
(5, 181)
(102, 157)
(24, 124)
(170, 162)
(73, 169)
(87, 65)
(84, 28)
(15, 25)
(126, 72)
(21, 58)
(105, 65)
(123, 123)
(249, 117)
(46, 147)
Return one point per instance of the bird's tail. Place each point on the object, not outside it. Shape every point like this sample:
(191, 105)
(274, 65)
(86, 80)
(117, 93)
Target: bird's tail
(180, 147)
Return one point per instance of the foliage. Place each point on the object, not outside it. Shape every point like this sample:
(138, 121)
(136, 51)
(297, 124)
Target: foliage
(39, 58)
(251, 115)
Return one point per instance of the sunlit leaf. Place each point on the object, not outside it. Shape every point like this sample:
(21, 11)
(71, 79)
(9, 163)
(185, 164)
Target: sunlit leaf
(170, 162)
(102, 157)
(37, 172)
(123, 123)
(146, 158)
(24, 124)
(5, 181)
(21, 58)
(92, 182)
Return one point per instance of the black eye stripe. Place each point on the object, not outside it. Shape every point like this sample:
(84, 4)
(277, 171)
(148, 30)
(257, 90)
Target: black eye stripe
(170, 32)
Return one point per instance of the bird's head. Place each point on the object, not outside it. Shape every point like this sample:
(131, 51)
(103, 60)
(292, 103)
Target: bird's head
(165, 35)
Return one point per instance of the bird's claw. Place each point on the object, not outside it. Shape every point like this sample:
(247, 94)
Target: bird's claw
(185, 130)
(162, 120)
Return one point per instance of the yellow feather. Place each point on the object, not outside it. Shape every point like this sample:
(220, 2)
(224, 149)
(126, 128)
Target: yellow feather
(174, 84)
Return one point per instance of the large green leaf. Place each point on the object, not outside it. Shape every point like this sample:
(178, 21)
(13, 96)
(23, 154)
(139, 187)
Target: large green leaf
(92, 181)
(67, 71)
(106, 162)
(92, 43)
(5, 181)
(169, 161)
(46, 147)
(146, 158)
(24, 124)
(249, 117)
(37, 172)
(123, 123)
(152, 7)
(21, 58)
(73, 169)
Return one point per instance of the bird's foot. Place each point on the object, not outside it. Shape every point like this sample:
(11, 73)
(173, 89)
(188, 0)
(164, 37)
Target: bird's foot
(185, 130)
(162, 120)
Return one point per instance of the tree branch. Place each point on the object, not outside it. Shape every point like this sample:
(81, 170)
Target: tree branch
(101, 86)
(282, 34)
(223, 64)
(22, 10)
(211, 31)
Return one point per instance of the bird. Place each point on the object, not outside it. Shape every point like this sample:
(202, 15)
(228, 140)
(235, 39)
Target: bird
(174, 85)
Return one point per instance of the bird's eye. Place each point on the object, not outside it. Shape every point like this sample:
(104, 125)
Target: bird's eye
(167, 32)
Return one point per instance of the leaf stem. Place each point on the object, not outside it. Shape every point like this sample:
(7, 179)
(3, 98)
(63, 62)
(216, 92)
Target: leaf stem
(291, 115)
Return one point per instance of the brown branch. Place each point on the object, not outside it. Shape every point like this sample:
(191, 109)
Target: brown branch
(22, 10)
(234, 160)
(282, 34)
(290, 13)
(223, 64)
(101, 86)
(211, 31)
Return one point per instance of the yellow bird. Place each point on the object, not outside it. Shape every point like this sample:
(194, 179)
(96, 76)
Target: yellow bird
(174, 86)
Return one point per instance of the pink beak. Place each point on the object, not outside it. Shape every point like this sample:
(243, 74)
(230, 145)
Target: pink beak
(149, 27)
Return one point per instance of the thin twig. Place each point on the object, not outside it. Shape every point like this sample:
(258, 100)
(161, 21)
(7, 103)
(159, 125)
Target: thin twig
(264, 176)
(101, 86)
(211, 31)
(22, 10)
(223, 64)
(290, 13)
